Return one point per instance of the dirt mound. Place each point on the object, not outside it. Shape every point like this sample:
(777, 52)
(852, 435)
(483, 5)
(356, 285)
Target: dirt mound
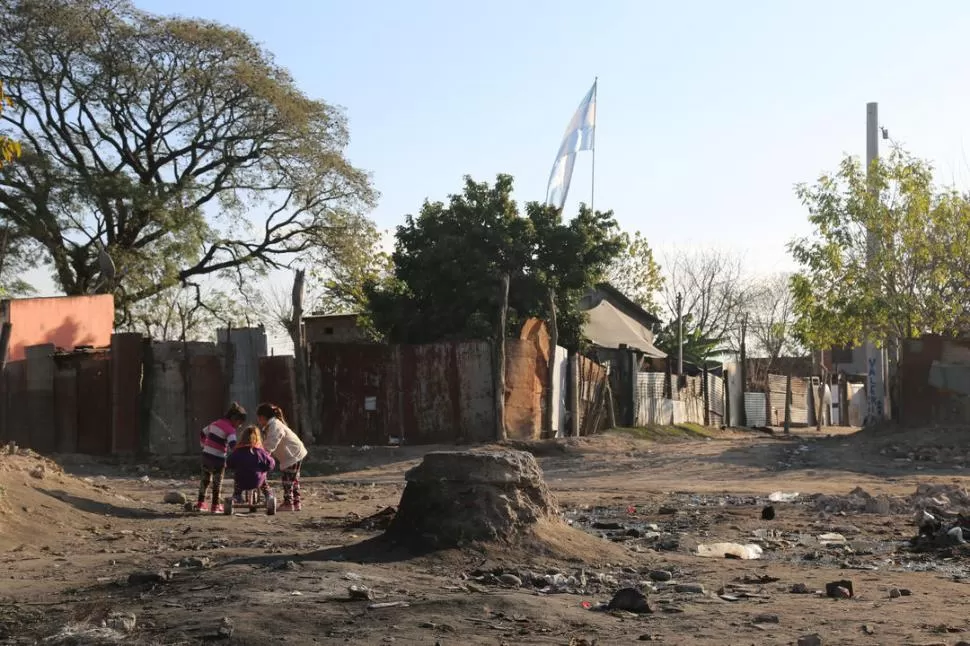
(37, 499)
(454, 498)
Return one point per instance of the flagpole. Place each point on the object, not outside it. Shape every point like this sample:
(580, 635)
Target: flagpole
(592, 189)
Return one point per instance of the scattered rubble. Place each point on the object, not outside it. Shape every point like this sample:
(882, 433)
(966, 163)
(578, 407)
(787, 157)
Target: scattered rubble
(839, 589)
(175, 498)
(630, 600)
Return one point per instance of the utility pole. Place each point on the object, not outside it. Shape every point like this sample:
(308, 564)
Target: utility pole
(680, 334)
(875, 363)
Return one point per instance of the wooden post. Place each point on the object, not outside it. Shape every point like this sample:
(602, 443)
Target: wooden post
(668, 380)
(743, 414)
(147, 397)
(501, 433)
(788, 398)
(574, 382)
(302, 402)
(551, 403)
(726, 376)
(5, 331)
(705, 390)
(610, 412)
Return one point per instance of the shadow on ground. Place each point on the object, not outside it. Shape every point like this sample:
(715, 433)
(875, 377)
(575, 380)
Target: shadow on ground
(104, 508)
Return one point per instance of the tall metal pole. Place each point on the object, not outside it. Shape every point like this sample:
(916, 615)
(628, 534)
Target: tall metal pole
(680, 334)
(592, 189)
(875, 365)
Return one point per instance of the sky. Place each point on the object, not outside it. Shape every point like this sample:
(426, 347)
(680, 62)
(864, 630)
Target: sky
(709, 113)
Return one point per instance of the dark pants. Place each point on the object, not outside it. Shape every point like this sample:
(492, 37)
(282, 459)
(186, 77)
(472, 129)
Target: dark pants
(211, 474)
(291, 483)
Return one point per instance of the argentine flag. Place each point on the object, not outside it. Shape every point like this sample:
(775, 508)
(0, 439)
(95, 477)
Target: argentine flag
(579, 136)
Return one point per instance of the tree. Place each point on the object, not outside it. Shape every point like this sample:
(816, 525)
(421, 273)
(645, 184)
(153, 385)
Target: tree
(636, 274)
(9, 246)
(9, 148)
(918, 278)
(450, 259)
(770, 306)
(188, 314)
(713, 289)
(177, 145)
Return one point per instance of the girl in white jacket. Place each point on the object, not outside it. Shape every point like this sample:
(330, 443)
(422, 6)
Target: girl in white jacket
(284, 445)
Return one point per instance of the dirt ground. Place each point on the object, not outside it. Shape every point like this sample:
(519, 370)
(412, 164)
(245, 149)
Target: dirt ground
(70, 542)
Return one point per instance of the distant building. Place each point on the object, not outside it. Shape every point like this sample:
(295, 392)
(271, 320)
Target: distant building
(334, 328)
(68, 322)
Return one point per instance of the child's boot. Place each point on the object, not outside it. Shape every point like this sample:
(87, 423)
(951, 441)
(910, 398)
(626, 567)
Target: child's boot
(201, 506)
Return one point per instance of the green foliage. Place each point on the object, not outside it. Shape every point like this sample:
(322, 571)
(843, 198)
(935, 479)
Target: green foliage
(448, 262)
(9, 149)
(636, 273)
(176, 144)
(698, 348)
(919, 276)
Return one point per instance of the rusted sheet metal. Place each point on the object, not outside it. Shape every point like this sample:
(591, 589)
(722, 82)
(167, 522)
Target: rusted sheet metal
(126, 360)
(277, 385)
(65, 416)
(349, 381)
(206, 395)
(432, 385)
(476, 391)
(94, 404)
(523, 412)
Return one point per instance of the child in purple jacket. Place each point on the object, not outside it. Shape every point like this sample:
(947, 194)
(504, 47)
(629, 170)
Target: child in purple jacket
(251, 463)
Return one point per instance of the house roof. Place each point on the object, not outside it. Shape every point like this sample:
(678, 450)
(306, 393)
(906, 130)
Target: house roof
(329, 317)
(623, 300)
(608, 327)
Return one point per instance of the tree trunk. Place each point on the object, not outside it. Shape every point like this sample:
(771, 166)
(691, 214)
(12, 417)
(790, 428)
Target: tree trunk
(743, 413)
(5, 331)
(501, 433)
(302, 402)
(788, 398)
(551, 403)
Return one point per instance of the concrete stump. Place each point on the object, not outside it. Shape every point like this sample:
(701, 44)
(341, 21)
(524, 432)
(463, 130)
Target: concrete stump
(452, 498)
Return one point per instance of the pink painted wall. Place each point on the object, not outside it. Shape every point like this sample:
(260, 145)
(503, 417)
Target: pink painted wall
(65, 321)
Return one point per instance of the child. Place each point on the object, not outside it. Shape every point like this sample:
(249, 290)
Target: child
(288, 450)
(217, 439)
(250, 463)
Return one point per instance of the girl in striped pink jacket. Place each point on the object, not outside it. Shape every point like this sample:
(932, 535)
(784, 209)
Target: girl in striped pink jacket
(218, 440)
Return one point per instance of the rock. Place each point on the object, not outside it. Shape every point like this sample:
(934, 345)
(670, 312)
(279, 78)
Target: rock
(175, 498)
(607, 525)
(38, 472)
(660, 575)
(123, 622)
(905, 592)
(689, 588)
(894, 593)
(810, 640)
(768, 513)
(195, 562)
(225, 628)
(454, 497)
(510, 580)
(633, 532)
(360, 592)
(630, 600)
(666, 511)
(870, 630)
(289, 566)
(800, 588)
(142, 578)
(832, 589)
(765, 619)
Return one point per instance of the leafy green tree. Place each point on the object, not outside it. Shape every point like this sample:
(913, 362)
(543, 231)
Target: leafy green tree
(636, 273)
(176, 145)
(448, 261)
(698, 349)
(919, 276)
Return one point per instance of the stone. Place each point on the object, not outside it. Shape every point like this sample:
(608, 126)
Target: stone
(630, 600)
(800, 588)
(142, 578)
(455, 497)
(175, 498)
(768, 513)
(225, 628)
(360, 592)
(38, 472)
(607, 525)
(123, 622)
(832, 589)
(810, 640)
(660, 575)
(510, 580)
(869, 629)
(765, 618)
(195, 562)
(894, 593)
(905, 592)
(689, 588)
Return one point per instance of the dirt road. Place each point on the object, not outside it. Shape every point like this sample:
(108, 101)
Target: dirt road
(70, 542)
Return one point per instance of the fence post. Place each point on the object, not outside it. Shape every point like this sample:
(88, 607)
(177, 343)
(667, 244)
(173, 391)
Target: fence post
(501, 433)
(147, 397)
(574, 394)
(705, 390)
(788, 398)
(551, 403)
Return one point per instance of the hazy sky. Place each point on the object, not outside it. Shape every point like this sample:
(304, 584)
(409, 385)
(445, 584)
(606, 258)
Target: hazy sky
(709, 112)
